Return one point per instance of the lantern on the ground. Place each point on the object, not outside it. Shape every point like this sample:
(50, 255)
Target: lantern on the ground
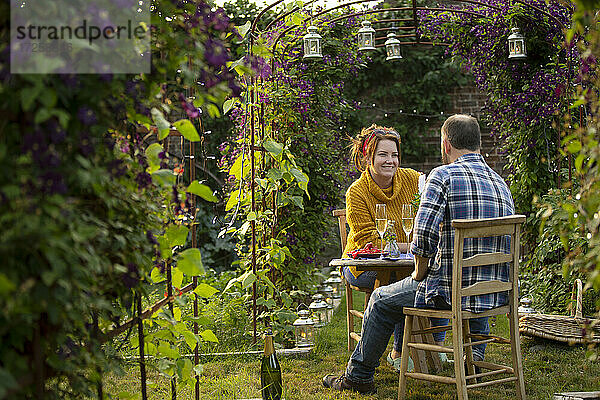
(516, 45)
(525, 306)
(304, 328)
(318, 308)
(327, 292)
(336, 284)
(366, 37)
(392, 47)
(312, 43)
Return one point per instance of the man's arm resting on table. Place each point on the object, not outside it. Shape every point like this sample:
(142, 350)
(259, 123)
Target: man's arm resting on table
(421, 266)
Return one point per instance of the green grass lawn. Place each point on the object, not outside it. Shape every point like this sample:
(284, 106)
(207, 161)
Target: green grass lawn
(549, 367)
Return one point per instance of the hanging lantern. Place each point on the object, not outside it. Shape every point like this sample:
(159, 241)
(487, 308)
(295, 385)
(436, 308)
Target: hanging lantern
(392, 47)
(525, 306)
(327, 292)
(304, 328)
(318, 308)
(312, 43)
(366, 37)
(516, 45)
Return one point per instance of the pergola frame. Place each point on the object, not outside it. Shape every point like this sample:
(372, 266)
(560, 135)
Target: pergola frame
(253, 34)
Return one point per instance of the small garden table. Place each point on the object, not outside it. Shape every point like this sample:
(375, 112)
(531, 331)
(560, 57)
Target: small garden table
(402, 267)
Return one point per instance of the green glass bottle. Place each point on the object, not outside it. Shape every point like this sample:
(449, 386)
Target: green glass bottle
(270, 372)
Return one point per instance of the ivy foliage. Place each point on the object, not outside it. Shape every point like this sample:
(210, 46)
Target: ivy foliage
(91, 209)
(524, 98)
(574, 216)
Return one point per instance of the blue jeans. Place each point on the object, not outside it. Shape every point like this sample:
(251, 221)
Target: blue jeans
(382, 316)
(367, 280)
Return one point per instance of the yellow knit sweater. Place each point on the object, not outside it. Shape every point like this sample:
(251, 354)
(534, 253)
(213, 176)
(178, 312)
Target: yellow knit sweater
(361, 198)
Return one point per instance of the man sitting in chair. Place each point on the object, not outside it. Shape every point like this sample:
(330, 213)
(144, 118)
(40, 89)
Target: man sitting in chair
(465, 188)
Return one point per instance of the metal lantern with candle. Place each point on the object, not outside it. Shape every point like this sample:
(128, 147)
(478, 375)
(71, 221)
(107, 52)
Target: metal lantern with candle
(327, 292)
(312, 44)
(392, 47)
(525, 306)
(318, 307)
(516, 45)
(366, 37)
(336, 283)
(304, 328)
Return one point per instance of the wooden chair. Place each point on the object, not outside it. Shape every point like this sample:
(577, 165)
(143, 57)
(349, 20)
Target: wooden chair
(352, 335)
(510, 225)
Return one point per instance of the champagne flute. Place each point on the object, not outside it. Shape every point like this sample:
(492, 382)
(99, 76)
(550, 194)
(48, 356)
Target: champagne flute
(380, 222)
(408, 217)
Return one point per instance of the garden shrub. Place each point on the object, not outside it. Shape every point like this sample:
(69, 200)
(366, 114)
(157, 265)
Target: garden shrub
(84, 202)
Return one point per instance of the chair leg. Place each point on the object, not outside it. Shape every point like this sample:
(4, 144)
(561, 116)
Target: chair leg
(459, 371)
(367, 298)
(349, 316)
(432, 359)
(469, 349)
(408, 323)
(419, 356)
(515, 346)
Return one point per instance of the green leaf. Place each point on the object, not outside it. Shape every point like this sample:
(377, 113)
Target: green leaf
(213, 111)
(233, 199)
(164, 177)
(202, 190)
(198, 369)
(243, 30)
(165, 349)
(274, 174)
(48, 97)
(205, 291)
(43, 114)
(152, 153)
(297, 200)
(209, 336)
(190, 262)
(6, 285)
(156, 276)
(176, 277)
(177, 313)
(187, 129)
(248, 279)
(233, 64)
(164, 247)
(299, 175)
(28, 96)
(227, 105)
(150, 348)
(251, 216)
(236, 168)
(297, 19)
(190, 339)
(273, 147)
(579, 162)
(161, 123)
(177, 235)
(574, 146)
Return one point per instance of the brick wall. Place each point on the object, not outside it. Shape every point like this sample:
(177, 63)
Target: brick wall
(465, 100)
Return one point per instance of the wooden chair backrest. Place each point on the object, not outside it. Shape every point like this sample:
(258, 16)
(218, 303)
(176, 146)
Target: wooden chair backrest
(340, 213)
(479, 228)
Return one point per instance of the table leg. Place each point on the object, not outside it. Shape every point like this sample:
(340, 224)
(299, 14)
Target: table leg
(382, 279)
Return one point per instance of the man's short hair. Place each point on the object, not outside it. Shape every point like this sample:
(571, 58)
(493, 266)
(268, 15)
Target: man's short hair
(462, 132)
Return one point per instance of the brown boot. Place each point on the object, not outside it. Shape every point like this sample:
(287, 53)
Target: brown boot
(342, 383)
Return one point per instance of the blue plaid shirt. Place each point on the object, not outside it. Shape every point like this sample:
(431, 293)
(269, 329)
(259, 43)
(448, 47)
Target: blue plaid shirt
(465, 189)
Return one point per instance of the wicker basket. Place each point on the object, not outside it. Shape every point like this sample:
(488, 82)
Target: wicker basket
(573, 329)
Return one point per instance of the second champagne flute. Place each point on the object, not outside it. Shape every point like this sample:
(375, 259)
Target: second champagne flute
(380, 222)
(408, 217)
